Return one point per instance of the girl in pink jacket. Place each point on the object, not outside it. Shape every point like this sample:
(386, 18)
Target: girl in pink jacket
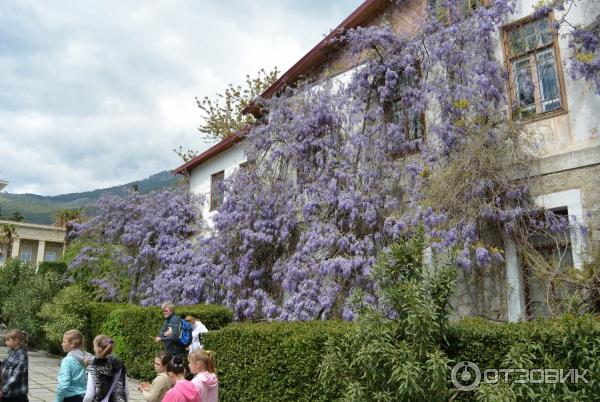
(202, 365)
(182, 391)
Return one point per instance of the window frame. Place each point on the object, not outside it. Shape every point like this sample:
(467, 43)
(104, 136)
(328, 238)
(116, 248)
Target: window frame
(48, 254)
(216, 200)
(511, 91)
(26, 252)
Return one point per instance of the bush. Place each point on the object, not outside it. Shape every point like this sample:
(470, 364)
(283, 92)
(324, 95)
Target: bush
(394, 353)
(273, 361)
(52, 266)
(565, 343)
(10, 274)
(97, 314)
(21, 308)
(134, 327)
(67, 310)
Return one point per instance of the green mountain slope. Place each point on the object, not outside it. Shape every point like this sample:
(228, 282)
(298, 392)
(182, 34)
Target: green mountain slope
(41, 209)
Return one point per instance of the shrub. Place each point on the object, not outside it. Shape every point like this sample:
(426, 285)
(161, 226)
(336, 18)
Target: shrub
(97, 314)
(565, 343)
(134, 327)
(67, 310)
(10, 274)
(21, 308)
(394, 353)
(273, 361)
(52, 266)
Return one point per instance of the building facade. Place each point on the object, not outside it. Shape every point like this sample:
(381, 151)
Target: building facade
(560, 111)
(32, 243)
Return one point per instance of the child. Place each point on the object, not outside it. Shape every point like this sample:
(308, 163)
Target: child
(15, 371)
(161, 384)
(182, 391)
(107, 378)
(72, 376)
(202, 365)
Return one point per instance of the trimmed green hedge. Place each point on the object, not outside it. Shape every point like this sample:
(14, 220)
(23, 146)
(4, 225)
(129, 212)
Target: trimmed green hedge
(134, 327)
(52, 266)
(273, 361)
(280, 361)
(97, 315)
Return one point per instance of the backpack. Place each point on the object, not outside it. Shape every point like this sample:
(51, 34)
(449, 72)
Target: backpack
(185, 333)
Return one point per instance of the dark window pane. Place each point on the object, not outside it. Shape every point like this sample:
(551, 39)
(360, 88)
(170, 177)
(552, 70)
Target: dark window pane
(216, 190)
(523, 85)
(515, 44)
(546, 71)
(529, 36)
(543, 33)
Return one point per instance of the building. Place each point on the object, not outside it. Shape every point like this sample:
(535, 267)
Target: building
(33, 243)
(30, 242)
(562, 111)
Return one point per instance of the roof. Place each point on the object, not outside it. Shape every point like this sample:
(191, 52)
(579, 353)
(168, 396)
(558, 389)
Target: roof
(367, 10)
(216, 149)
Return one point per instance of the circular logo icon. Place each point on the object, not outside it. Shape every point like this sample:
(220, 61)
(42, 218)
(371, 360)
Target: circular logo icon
(466, 376)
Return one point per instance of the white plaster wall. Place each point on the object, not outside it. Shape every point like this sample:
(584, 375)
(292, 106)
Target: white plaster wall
(580, 127)
(228, 161)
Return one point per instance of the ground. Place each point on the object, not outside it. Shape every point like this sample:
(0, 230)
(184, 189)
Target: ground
(43, 370)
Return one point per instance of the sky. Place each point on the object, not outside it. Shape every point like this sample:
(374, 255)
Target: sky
(95, 94)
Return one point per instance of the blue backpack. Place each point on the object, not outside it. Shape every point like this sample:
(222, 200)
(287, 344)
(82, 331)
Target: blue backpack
(185, 333)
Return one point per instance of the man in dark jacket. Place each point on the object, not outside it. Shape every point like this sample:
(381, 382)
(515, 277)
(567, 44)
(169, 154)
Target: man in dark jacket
(170, 331)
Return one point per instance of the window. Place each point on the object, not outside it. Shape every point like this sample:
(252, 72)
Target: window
(542, 294)
(411, 123)
(26, 255)
(50, 256)
(216, 190)
(536, 84)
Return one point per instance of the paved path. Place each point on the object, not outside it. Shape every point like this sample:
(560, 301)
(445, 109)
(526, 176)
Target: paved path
(43, 369)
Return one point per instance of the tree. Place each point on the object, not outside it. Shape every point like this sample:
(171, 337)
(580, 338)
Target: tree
(222, 116)
(16, 217)
(135, 242)
(63, 216)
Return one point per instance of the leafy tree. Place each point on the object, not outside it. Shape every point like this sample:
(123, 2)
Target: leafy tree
(222, 116)
(67, 310)
(21, 307)
(64, 216)
(16, 217)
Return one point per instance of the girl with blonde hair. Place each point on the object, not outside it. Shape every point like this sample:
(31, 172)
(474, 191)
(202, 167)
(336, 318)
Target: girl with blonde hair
(202, 365)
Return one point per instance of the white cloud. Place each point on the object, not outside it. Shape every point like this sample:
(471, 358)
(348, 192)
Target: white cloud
(99, 93)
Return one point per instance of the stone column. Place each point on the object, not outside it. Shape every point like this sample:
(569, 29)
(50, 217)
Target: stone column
(15, 247)
(515, 292)
(41, 251)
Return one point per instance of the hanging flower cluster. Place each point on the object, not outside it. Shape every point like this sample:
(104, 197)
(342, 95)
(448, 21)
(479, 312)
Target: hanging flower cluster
(145, 237)
(336, 172)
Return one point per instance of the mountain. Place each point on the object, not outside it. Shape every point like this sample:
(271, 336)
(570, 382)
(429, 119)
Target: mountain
(41, 209)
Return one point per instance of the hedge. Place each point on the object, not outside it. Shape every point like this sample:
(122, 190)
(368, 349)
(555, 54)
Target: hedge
(52, 266)
(280, 361)
(97, 316)
(273, 361)
(134, 327)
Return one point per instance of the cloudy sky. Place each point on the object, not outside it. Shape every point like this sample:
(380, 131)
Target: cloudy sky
(94, 94)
